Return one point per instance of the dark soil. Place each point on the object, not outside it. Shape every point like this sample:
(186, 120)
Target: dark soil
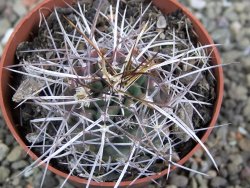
(175, 20)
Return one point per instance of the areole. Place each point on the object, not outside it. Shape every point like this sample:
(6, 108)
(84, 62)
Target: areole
(30, 23)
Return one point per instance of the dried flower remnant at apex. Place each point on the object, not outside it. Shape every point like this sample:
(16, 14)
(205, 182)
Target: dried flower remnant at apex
(116, 94)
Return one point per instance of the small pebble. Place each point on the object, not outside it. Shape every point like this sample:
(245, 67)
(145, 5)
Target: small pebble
(15, 154)
(237, 159)
(179, 181)
(198, 153)
(4, 25)
(34, 138)
(243, 131)
(198, 4)
(239, 6)
(221, 35)
(11, 15)
(233, 168)
(230, 14)
(50, 181)
(171, 186)
(67, 185)
(238, 92)
(218, 182)
(19, 8)
(205, 166)
(3, 151)
(7, 36)
(2, 5)
(162, 36)
(29, 172)
(212, 173)
(16, 181)
(245, 144)
(161, 22)
(29, 3)
(194, 183)
(19, 165)
(202, 181)
(4, 174)
(235, 27)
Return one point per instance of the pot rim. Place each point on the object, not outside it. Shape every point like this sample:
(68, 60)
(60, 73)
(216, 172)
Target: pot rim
(220, 89)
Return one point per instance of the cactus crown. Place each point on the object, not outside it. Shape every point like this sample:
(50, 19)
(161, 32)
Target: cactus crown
(112, 103)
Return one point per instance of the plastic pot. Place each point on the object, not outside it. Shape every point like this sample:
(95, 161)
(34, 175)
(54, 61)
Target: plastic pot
(29, 25)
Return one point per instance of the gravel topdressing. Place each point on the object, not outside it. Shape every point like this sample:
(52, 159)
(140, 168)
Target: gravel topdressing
(228, 22)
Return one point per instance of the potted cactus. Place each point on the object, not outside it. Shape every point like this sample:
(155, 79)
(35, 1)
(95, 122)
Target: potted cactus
(115, 95)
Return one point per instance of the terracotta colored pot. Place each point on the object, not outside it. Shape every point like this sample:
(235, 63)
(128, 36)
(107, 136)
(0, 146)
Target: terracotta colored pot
(24, 31)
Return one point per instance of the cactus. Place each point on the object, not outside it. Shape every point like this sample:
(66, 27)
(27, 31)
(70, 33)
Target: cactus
(113, 98)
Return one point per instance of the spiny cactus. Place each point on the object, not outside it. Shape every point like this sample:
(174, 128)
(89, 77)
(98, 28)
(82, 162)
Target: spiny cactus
(113, 102)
